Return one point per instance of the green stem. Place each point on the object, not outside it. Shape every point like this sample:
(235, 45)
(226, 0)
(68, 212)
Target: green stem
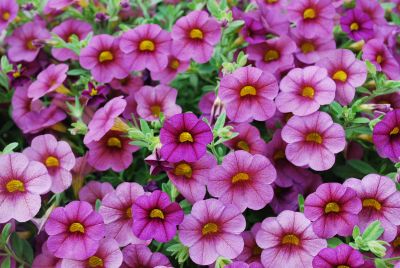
(11, 253)
(144, 9)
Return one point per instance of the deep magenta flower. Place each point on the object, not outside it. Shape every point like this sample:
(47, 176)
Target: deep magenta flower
(138, 256)
(94, 190)
(373, 9)
(333, 209)
(357, 25)
(148, 47)
(184, 137)
(152, 101)
(155, 216)
(104, 59)
(347, 72)
(116, 210)
(75, 231)
(313, 140)
(244, 180)
(195, 35)
(248, 94)
(8, 12)
(212, 229)
(248, 139)
(288, 241)
(58, 158)
(386, 136)
(341, 256)
(380, 201)
(22, 182)
(303, 91)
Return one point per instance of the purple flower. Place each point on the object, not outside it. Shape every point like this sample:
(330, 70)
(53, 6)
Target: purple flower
(94, 190)
(139, 256)
(157, 163)
(8, 12)
(174, 67)
(357, 25)
(341, 256)
(374, 9)
(155, 216)
(248, 139)
(386, 136)
(184, 137)
(251, 252)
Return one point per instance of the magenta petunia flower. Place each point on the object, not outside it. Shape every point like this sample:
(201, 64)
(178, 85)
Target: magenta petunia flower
(303, 91)
(243, 180)
(46, 260)
(346, 71)
(275, 22)
(380, 201)
(148, 47)
(341, 256)
(248, 94)
(386, 136)
(253, 30)
(313, 140)
(157, 163)
(116, 210)
(112, 151)
(184, 137)
(156, 217)
(248, 139)
(49, 80)
(333, 209)
(75, 231)
(94, 190)
(58, 158)
(273, 55)
(65, 31)
(22, 182)
(272, 4)
(376, 52)
(108, 255)
(8, 12)
(195, 35)
(174, 67)
(251, 252)
(191, 178)
(212, 229)
(23, 43)
(288, 241)
(357, 24)
(373, 9)
(155, 100)
(128, 85)
(106, 119)
(312, 17)
(138, 256)
(104, 59)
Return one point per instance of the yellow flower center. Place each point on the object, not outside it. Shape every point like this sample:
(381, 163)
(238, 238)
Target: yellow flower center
(354, 26)
(271, 1)
(343, 266)
(147, 45)
(332, 207)
(314, 137)
(128, 213)
(243, 145)
(271, 55)
(307, 47)
(76, 227)
(185, 136)
(156, 213)
(240, 177)
(280, 154)
(52, 161)
(309, 13)
(290, 239)
(248, 90)
(174, 64)
(340, 75)
(371, 203)
(6, 15)
(30, 45)
(308, 92)
(155, 110)
(93, 92)
(15, 185)
(16, 74)
(95, 261)
(196, 34)
(105, 56)
(394, 131)
(183, 169)
(256, 251)
(209, 228)
(114, 142)
(396, 242)
(379, 59)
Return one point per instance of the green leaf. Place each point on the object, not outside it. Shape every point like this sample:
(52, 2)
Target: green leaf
(379, 263)
(98, 204)
(336, 107)
(22, 248)
(5, 233)
(373, 231)
(361, 166)
(10, 148)
(300, 199)
(361, 120)
(144, 126)
(220, 122)
(334, 242)
(6, 262)
(233, 26)
(356, 232)
(78, 72)
(370, 67)
(213, 7)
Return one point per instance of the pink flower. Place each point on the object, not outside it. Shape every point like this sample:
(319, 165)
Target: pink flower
(138, 256)
(174, 67)
(94, 190)
(251, 252)
(8, 12)
(248, 139)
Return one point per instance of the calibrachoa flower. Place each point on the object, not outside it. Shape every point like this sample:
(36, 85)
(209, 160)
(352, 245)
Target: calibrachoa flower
(138, 256)
(288, 241)
(243, 180)
(313, 140)
(8, 12)
(116, 210)
(184, 137)
(212, 229)
(251, 252)
(341, 256)
(346, 71)
(104, 59)
(174, 67)
(195, 35)
(155, 216)
(58, 158)
(333, 209)
(386, 136)
(303, 91)
(148, 47)
(248, 94)
(94, 190)
(22, 182)
(46, 259)
(357, 25)
(191, 178)
(152, 101)
(380, 201)
(248, 139)
(128, 85)
(75, 231)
